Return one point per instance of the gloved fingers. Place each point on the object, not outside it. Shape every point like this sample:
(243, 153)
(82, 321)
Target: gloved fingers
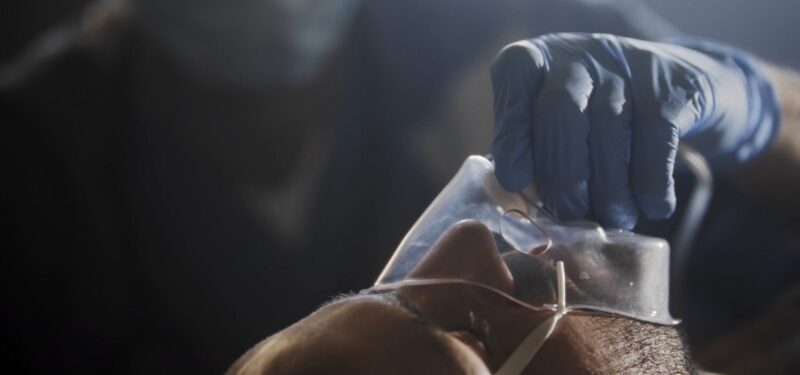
(655, 144)
(611, 197)
(560, 133)
(512, 148)
(517, 73)
(665, 111)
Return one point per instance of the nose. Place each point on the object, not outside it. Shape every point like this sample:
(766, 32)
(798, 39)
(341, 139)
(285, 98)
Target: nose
(466, 251)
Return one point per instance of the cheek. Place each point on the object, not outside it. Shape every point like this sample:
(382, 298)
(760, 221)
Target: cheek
(471, 342)
(468, 353)
(426, 352)
(374, 338)
(502, 324)
(452, 307)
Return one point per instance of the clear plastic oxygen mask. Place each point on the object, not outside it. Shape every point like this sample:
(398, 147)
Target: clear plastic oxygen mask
(611, 271)
(557, 267)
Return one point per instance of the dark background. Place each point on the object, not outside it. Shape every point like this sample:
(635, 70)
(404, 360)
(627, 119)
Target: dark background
(765, 27)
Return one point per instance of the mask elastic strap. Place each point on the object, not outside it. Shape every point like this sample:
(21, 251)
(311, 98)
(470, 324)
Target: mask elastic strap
(531, 344)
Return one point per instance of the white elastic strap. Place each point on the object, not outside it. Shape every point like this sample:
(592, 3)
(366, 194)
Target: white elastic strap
(528, 348)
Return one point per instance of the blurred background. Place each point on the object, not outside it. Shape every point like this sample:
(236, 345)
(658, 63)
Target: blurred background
(757, 26)
(180, 187)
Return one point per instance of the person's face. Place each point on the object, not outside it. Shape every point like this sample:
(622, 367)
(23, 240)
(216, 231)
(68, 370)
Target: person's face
(430, 329)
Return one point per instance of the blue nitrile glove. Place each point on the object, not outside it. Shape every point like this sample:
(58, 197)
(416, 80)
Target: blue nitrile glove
(594, 119)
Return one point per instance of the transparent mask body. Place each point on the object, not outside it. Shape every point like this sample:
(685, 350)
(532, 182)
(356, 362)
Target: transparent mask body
(612, 271)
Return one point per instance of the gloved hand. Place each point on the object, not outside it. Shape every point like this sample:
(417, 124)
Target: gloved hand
(594, 120)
